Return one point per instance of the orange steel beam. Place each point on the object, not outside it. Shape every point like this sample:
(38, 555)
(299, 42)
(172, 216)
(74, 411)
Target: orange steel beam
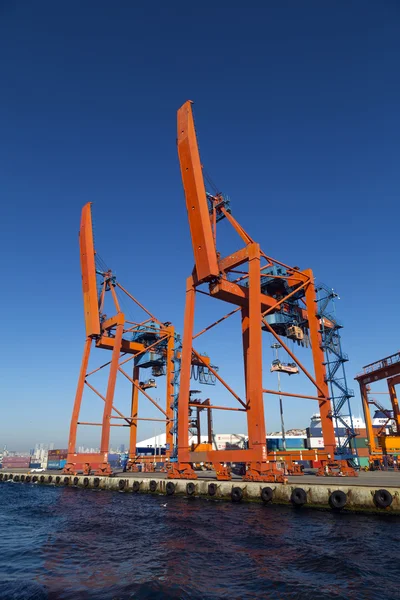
(196, 201)
(216, 322)
(248, 455)
(112, 378)
(104, 399)
(325, 409)
(101, 425)
(252, 334)
(134, 413)
(138, 303)
(216, 374)
(291, 395)
(88, 268)
(184, 387)
(169, 391)
(136, 385)
(198, 405)
(78, 397)
(392, 382)
(293, 356)
(368, 421)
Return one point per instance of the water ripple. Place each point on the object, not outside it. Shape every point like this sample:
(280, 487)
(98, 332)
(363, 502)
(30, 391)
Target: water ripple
(67, 543)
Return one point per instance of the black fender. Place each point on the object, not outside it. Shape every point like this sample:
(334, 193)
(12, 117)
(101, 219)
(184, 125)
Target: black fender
(383, 498)
(337, 500)
(298, 497)
(170, 488)
(267, 494)
(190, 488)
(212, 489)
(237, 494)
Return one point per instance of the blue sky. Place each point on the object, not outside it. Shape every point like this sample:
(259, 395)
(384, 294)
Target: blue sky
(296, 108)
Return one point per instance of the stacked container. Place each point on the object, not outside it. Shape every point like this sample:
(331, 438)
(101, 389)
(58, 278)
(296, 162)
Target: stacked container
(16, 462)
(57, 459)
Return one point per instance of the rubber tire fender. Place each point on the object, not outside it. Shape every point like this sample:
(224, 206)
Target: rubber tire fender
(28, 479)
(267, 494)
(1, 476)
(170, 488)
(16, 477)
(212, 489)
(34, 479)
(135, 486)
(86, 482)
(153, 485)
(42, 479)
(121, 484)
(76, 480)
(190, 488)
(96, 482)
(50, 479)
(337, 500)
(298, 497)
(237, 494)
(383, 498)
(66, 481)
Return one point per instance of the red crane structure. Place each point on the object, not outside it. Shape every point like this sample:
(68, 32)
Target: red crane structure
(239, 279)
(378, 440)
(146, 344)
(135, 345)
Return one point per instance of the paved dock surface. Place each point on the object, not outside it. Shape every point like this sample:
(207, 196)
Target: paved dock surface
(369, 478)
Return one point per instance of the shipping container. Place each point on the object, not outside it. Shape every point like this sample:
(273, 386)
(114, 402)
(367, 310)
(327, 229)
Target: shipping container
(15, 462)
(359, 442)
(59, 453)
(63, 462)
(363, 451)
(53, 464)
(35, 465)
(364, 461)
(317, 431)
(292, 443)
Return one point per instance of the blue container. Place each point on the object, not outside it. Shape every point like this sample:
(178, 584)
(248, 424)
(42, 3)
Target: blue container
(35, 465)
(276, 444)
(53, 464)
(63, 462)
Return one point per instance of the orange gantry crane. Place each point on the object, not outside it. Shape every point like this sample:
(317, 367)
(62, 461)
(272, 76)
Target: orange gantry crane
(379, 441)
(135, 346)
(258, 287)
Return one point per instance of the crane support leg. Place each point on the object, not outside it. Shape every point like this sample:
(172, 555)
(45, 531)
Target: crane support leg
(134, 414)
(258, 469)
(112, 378)
(183, 469)
(78, 401)
(328, 430)
(392, 382)
(169, 408)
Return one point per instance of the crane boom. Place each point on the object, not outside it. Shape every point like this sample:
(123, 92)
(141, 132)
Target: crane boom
(204, 250)
(88, 269)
